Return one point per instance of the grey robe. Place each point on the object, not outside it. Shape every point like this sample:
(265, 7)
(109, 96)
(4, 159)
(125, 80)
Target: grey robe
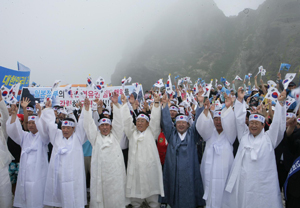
(182, 179)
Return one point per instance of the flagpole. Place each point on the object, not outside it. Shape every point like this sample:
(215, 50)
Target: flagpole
(279, 67)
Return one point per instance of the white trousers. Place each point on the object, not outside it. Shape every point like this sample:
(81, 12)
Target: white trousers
(151, 200)
(5, 189)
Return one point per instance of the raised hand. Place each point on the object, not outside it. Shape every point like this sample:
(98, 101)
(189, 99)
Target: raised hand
(282, 97)
(25, 102)
(86, 104)
(241, 94)
(131, 99)
(14, 109)
(48, 104)
(165, 98)
(114, 98)
(38, 107)
(123, 99)
(228, 101)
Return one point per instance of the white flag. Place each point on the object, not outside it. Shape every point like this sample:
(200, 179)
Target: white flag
(271, 83)
(68, 92)
(89, 82)
(288, 78)
(159, 83)
(272, 94)
(238, 78)
(5, 92)
(289, 101)
(195, 89)
(100, 83)
(124, 82)
(169, 89)
(206, 89)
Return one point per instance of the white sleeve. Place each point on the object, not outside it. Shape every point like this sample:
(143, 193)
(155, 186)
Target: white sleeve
(47, 126)
(4, 118)
(89, 127)
(117, 125)
(205, 126)
(278, 125)
(79, 130)
(154, 124)
(240, 119)
(15, 131)
(129, 127)
(228, 124)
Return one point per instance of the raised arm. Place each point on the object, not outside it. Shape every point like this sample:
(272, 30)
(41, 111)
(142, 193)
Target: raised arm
(277, 128)
(46, 124)
(129, 127)
(240, 114)
(154, 124)
(117, 125)
(4, 116)
(13, 126)
(228, 120)
(204, 123)
(88, 123)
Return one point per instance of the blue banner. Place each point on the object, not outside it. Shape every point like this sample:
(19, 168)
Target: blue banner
(9, 77)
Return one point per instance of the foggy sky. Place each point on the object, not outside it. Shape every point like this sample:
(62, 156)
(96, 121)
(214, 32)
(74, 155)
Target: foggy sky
(70, 39)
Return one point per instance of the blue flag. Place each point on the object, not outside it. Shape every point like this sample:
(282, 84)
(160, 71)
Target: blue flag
(285, 66)
(222, 79)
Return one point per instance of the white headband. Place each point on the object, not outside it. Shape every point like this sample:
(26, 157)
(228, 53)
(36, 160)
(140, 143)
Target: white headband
(298, 120)
(29, 109)
(55, 108)
(174, 108)
(104, 121)
(217, 114)
(256, 117)
(32, 118)
(143, 116)
(68, 123)
(182, 118)
(63, 111)
(106, 113)
(290, 115)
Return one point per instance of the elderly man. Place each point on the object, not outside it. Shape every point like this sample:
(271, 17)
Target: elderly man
(253, 180)
(144, 174)
(216, 128)
(33, 161)
(108, 177)
(65, 183)
(182, 179)
(5, 159)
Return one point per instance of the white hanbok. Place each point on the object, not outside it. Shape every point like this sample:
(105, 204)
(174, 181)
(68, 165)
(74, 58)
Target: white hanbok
(65, 185)
(108, 176)
(33, 165)
(5, 159)
(218, 155)
(144, 172)
(253, 180)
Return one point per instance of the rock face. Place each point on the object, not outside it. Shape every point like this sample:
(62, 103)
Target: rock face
(196, 39)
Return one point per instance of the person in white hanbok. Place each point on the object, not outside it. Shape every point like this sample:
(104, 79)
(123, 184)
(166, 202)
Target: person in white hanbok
(219, 134)
(108, 176)
(33, 161)
(65, 183)
(253, 180)
(5, 159)
(144, 173)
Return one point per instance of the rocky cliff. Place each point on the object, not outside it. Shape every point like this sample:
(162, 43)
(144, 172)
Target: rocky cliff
(196, 39)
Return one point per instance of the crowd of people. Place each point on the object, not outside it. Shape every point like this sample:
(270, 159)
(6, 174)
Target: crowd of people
(228, 149)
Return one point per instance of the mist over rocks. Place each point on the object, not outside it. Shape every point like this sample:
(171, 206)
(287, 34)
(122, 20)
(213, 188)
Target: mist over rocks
(196, 39)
